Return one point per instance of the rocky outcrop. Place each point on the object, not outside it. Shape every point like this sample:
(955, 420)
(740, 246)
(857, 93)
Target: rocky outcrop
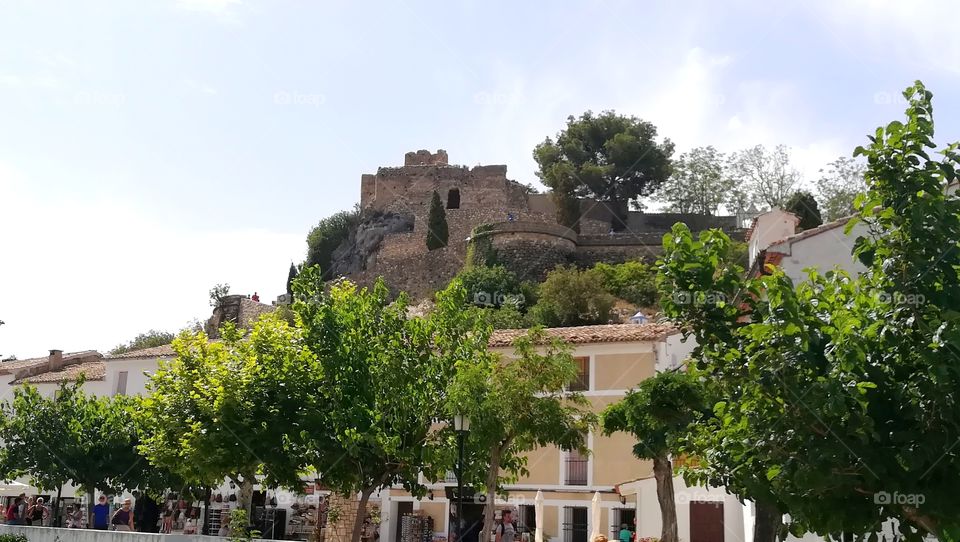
(359, 249)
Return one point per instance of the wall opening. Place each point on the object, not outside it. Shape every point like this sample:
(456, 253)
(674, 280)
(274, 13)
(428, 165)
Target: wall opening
(453, 198)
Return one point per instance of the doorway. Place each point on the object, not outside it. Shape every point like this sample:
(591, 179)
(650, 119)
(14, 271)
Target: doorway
(706, 521)
(453, 198)
(403, 507)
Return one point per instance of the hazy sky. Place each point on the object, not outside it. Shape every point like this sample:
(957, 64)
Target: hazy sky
(150, 149)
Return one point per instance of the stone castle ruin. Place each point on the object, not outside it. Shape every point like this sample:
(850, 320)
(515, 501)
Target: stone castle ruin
(520, 225)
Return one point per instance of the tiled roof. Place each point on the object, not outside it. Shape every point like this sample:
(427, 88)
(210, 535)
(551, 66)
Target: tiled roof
(9, 367)
(152, 352)
(814, 231)
(610, 333)
(93, 370)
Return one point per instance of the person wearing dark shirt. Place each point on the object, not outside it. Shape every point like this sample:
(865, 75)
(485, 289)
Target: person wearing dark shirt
(101, 514)
(122, 519)
(150, 515)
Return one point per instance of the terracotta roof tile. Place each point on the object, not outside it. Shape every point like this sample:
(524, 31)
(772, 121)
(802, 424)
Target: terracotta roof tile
(165, 350)
(10, 367)
(94, 370)
(610, 333)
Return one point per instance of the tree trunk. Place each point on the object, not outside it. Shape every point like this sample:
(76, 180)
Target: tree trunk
(492, 473)
(663, 473)
(767, 526)
(55, 509)
(245, 496)
(361, 514)
(90, 509)
(922, 521)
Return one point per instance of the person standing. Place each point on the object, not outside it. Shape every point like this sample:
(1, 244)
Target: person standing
(26, 510)
(150, 518)
(13, 512)
(625, 534)
(122, 519)
(38, 513)
(506, 532)
(101, 514)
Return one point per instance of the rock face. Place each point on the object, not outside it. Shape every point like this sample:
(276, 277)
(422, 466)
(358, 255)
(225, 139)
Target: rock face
(359, 249)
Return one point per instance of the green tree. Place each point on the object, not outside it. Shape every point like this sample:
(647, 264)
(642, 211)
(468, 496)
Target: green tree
(145, 340)
(838, 186)
(632, 281)
(437, 229)
(659, 414)
(74, 437)
(614, 158)
(327, 235)
(217, 293)
(570, 297)
(232, 409)
(767, 177)
(383, 376)
(699, 183)
(518, 405)
(291, 276)
(804, 205)
(839, 393)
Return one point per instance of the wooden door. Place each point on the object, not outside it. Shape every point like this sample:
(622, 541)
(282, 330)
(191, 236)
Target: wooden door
(706, 521)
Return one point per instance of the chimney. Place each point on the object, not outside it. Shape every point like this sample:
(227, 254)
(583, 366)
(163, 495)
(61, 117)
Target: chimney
(56, 360)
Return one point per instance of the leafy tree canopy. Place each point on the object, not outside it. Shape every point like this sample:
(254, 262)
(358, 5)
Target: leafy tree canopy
(145, 340)
(699, 183)
(765, 177)
(804, 205)
(613, 158)
(839, 393)
(838, 186)
(327, 235)
(438, 232)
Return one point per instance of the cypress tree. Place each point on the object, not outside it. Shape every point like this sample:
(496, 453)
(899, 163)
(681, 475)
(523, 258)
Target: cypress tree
(437, 230)
(292, 274)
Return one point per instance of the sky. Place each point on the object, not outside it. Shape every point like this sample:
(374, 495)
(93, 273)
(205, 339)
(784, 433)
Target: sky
(152, 149)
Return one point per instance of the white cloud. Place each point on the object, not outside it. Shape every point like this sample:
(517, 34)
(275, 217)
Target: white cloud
(94, 273)
(921, 33)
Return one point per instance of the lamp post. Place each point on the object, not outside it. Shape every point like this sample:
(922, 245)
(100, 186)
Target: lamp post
(461, 424)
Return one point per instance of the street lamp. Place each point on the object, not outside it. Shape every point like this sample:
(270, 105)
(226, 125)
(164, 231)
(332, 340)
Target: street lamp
(461, 424)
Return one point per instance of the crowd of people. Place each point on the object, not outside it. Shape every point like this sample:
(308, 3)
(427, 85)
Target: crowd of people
(27, 511)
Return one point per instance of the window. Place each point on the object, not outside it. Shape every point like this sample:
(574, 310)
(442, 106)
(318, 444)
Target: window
(527, 518)
(450, 477)
(582, 381)
(453, 199)
(121, 383)
(574, 524)
(575, 469)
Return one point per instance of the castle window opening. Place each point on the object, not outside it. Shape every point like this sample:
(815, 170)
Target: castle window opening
(453, 198)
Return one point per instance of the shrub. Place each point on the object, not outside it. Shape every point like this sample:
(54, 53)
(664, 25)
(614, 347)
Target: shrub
(570, 297)
(632, 281)
(144, 340)
(480, 249)
(506, 317)
(327, 235)
(437, 230)
(7, 537)
(487, 285)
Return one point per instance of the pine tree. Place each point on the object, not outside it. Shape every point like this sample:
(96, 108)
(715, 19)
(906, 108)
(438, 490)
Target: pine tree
(804, 205)
(437, 230)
